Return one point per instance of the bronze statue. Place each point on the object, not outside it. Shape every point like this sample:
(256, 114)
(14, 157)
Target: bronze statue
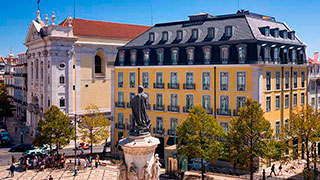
(140, 120)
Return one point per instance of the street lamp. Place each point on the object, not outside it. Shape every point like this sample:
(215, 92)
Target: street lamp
(75, 145)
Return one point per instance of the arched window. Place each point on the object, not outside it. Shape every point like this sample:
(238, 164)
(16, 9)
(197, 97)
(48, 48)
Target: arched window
(97, 64)
(37, 69)
(62, 102)
(61, 79)
(41, 70)
(31, 70)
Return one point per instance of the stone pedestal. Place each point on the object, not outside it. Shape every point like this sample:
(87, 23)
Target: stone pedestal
(138, 150)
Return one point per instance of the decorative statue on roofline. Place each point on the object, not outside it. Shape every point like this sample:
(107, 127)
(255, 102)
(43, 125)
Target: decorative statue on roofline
(140, 121)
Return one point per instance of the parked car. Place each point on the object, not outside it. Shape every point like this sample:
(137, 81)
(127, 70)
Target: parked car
(4, 133)
(5, 140)
(21, 148)
(84, 145)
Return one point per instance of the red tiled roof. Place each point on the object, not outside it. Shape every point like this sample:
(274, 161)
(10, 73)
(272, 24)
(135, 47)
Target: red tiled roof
(315, 59)
(83, 27)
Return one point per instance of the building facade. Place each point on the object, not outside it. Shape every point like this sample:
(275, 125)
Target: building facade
(10, 68)
(70, 65)
(215, 61)
(2, 69)
(20, 87)
(314, 81)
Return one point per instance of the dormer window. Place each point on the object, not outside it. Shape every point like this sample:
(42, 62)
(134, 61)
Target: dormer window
(228, 31)
(292, 35)
(146, 57)
(206, 54)
(190, 55)
(179, 35)
(276, 54)
(194, 34)
(211, 33)
(133, 57)
(267, 31)
(121, 58)
(165, 36)
(275, 32)
(266, 53)
(174, 56)
(224, 54)
(160, 56)
(151, 37)
(242, 53)
(294, 55)
(284, 34)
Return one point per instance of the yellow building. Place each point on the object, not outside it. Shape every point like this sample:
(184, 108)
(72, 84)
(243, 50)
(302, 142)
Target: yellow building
(215, 61)
(70, 64)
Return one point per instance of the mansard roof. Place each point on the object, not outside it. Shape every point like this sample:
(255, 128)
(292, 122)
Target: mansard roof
(245, 26)
(92, 28)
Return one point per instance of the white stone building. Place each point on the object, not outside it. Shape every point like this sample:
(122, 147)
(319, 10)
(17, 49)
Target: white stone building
(70, 64)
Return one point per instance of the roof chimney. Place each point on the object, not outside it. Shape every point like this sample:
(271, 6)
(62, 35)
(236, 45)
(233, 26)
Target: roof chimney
(316, 56)
(200, 16)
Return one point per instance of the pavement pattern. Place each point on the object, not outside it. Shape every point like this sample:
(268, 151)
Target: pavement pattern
(101, 173)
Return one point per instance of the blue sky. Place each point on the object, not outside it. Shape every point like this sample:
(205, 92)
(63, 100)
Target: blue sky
(16, 15)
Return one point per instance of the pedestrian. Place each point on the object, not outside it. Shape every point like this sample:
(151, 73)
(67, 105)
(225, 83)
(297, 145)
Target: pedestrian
(97, 162)
(50, 177)
(12, 169)
(280, 169)
(90, 160)
(182, 174)
(272, 170)
(79, 162)
(86, 162)
(15, 129)
(12, 159)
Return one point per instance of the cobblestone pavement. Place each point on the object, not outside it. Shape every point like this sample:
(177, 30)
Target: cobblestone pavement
(102, 172)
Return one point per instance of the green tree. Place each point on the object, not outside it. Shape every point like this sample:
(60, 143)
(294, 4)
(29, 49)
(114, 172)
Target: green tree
(304, 125)
(6, 107)
(250, 134)
(198, 136)
(94, 127)
(55, 129)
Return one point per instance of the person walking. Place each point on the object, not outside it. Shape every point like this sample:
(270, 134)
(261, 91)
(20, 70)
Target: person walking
(50, 177)
(12, 169)
(272, 170)
(97, 162)
(280, 169)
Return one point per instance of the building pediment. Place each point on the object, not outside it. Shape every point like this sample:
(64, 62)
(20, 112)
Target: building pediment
(34, 32)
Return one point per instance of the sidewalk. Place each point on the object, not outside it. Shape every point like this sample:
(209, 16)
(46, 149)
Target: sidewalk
(109, 172)
(12, 123)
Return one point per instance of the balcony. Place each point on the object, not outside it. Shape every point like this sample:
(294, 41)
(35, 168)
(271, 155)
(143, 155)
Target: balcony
(206, 87)
(174, 108)
(189, 86)
(128, 105)
(120, 126)
(119, 104)
(209, 110)
(186, 109)
(172, 132)
(158, 85)
(158, 131)
(158, 107)
(235, 112)
(173, 85)
(224, 112)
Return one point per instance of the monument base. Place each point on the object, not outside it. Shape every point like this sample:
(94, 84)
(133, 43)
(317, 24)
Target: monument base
(137, 151)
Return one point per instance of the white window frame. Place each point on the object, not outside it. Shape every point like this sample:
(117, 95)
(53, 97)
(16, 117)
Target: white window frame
(145, 72)
(268, 110)
(294, 100)
(302, 94)
(220, 79)
(245, 80)
(275, 99)
(267, 80)
(277, 72)
(209, 85)
(286, 106)
(119, 79)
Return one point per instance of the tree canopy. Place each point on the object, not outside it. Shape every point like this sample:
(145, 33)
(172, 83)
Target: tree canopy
(250, 135)
(198, 136)
(55, 128)
(5, 105)
(94, 127)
